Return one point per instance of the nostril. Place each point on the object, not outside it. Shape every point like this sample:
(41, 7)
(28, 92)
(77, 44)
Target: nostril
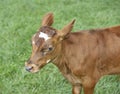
(28, 68)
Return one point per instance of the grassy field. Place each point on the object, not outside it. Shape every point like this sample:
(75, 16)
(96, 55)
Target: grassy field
(19, 20)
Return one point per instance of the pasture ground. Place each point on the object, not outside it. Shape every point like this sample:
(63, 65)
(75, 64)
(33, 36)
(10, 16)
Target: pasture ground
(20, 19)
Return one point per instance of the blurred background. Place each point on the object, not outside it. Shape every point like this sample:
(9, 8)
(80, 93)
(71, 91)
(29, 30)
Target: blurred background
(20, 19)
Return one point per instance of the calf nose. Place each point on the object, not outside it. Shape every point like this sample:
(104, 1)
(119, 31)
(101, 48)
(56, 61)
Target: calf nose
(28, 68)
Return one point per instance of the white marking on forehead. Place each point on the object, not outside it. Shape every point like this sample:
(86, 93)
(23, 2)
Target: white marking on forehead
(33, 42)
(43, 35)
(48, 61)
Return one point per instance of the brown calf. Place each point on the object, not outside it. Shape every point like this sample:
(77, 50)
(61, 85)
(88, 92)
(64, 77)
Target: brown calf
(82, 57)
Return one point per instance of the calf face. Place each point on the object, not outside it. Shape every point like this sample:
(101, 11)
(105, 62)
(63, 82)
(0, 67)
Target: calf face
(46, 44)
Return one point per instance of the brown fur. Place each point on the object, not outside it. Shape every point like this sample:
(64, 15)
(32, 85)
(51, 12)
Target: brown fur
(82, 57)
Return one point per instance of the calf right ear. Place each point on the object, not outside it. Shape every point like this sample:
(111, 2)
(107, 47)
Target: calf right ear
(48, 19)
(67, 29)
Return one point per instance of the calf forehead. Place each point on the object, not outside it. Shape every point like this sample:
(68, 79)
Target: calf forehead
(43, 34)
(48, 30)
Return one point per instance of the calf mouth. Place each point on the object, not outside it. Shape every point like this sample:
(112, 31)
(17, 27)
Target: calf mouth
(31, 68)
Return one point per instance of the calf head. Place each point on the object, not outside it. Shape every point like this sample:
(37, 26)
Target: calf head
(46, 44)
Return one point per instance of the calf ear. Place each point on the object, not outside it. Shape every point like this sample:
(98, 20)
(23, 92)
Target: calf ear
(67, 29)
(48, 19)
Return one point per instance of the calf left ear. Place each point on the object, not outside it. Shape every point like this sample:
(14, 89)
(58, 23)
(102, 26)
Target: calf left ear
(67, 29)
(48, 19)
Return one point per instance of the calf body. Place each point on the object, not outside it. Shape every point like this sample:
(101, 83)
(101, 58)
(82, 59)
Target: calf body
(82, 57)
(88, 55)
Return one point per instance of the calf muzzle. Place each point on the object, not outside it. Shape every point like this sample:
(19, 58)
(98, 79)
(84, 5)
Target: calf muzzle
(28, 68)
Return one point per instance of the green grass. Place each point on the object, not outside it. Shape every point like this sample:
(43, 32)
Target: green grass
(19, 20)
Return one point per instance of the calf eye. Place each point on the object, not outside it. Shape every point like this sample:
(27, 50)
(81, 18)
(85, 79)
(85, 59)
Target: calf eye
(50, 48)
(47, 49)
